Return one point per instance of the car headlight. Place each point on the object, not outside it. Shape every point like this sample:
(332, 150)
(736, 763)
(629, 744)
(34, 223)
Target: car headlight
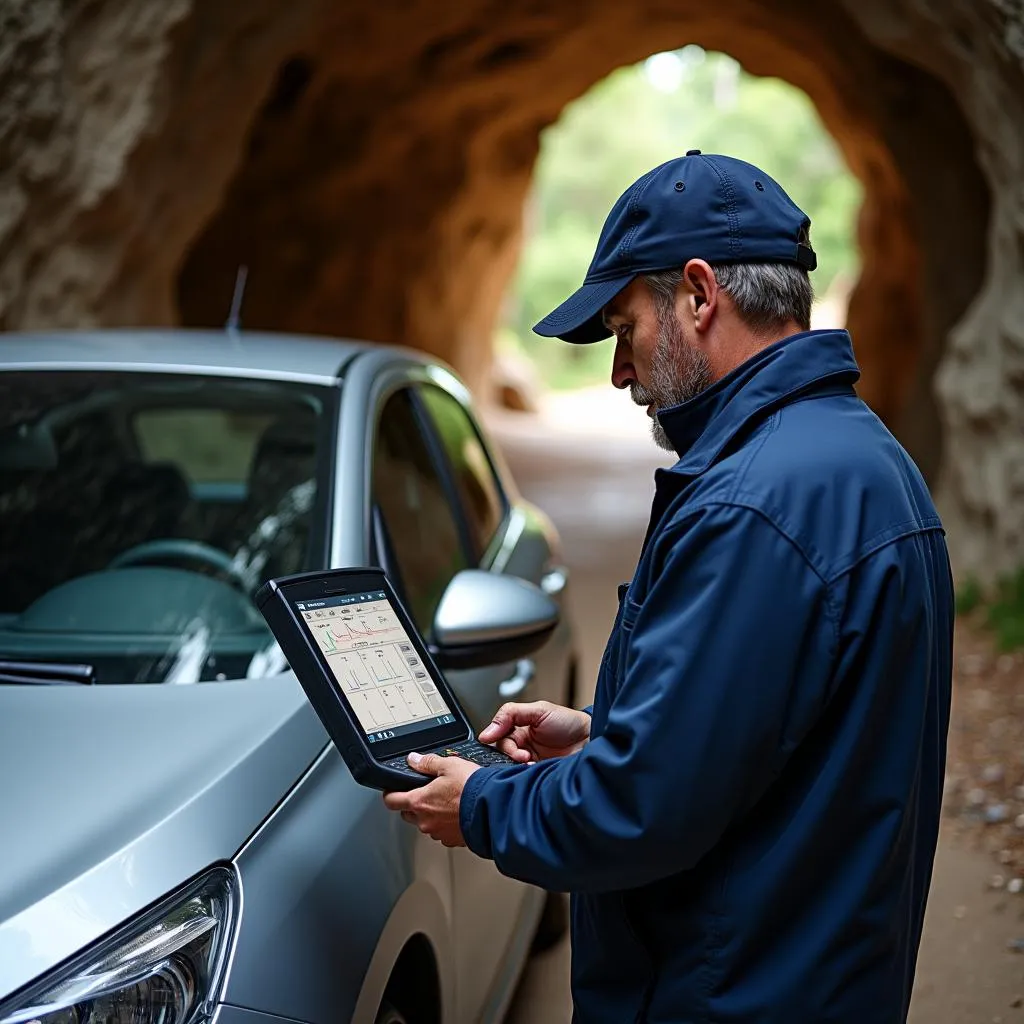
(165, 967)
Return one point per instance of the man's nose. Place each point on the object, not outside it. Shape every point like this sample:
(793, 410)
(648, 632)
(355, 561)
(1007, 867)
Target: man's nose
(623, 371)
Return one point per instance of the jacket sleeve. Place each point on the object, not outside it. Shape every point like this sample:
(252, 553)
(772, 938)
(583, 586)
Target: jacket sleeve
(726, 668)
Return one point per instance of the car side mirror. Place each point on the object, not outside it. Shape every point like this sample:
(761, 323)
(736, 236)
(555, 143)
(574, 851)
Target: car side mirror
(485, 618)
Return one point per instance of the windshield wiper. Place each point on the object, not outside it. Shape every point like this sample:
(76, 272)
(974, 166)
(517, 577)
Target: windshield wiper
(38, 673)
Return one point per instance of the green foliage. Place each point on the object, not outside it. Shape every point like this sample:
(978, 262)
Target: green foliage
(1005, 614)
(969, 596)
(631, 122)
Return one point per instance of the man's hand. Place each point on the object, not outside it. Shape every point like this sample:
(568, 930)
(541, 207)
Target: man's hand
(434, 808)
(537, 731)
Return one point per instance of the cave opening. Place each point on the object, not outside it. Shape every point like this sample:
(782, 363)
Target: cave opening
(383, 199)
(631, 121)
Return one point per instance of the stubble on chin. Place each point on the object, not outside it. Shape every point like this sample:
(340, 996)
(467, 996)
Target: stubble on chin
(679, 372)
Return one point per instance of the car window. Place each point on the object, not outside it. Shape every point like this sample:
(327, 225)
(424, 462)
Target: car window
(418, 517)
(142, 510)
(479, 491)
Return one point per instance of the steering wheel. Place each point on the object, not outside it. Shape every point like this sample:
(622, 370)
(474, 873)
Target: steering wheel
(180, 549)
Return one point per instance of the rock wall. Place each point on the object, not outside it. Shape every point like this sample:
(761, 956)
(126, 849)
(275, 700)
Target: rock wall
(978, 50)
(121, 123)
(369, 165)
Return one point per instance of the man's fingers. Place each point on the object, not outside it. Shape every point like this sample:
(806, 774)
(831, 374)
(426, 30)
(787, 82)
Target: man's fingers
(397, 801)
(509, 716)
(428, 764)
(516, 752)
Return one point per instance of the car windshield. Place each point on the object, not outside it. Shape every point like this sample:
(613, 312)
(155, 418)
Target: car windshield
(138, 514)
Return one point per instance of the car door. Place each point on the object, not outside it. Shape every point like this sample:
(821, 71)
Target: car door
(514, 539)
(485, 511)
(426, 540)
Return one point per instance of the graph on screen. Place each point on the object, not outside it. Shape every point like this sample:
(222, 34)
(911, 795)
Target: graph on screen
(376, 666)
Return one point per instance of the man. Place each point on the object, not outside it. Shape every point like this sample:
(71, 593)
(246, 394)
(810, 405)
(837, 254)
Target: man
(747, 822)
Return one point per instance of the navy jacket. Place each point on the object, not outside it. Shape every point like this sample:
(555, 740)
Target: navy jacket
(749, 833)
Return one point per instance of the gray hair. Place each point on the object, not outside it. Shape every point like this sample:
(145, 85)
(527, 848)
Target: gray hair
(765, 295)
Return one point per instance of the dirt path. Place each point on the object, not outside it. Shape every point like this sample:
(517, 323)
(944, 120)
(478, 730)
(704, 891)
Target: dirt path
(595, 447)
(966, 973)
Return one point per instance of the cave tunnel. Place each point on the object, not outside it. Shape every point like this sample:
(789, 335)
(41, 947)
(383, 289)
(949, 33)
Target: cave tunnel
(383, 198)
(369, 164)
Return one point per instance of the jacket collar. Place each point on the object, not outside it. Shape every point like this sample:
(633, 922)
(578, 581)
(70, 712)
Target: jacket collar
(803, 363)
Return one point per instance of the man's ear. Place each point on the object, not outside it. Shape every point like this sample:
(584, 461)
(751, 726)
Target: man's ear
(702, 294)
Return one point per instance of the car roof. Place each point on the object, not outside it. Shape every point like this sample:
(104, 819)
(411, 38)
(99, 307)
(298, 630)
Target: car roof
(181, 350)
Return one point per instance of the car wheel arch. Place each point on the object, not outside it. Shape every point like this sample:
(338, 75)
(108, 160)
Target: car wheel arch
(415, 942)
(414, 988)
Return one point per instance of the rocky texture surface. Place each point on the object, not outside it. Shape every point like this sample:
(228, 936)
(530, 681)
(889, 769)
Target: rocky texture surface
(977, 50)
(984, 791)
(369, 164)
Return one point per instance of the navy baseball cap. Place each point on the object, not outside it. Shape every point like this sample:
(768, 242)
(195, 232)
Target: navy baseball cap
(714, 208)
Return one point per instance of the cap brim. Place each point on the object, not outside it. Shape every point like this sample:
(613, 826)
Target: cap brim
(578, 319)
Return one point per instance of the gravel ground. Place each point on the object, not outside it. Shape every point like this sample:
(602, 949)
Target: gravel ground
(984, 800)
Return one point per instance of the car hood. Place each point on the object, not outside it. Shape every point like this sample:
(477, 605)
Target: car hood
(111, 796)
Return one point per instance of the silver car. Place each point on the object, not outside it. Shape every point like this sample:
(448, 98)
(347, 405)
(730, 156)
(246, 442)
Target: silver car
(178, 839)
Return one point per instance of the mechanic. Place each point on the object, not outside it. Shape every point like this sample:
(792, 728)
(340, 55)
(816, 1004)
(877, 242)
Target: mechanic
(747, 816)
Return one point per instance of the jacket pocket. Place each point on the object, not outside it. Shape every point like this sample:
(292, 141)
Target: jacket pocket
(611, 969)
(608, 671)
(627, 619)
(630, 610)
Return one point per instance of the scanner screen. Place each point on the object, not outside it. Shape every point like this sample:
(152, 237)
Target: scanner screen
(375, 665)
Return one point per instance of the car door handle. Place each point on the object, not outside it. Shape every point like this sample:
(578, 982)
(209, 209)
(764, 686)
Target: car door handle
(554, 580)
(515, 685)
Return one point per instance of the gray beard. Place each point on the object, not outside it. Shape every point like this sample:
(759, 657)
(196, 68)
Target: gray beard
(679, 372)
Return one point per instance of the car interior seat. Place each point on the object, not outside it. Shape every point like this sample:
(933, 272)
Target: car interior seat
(275, 517)
(141, 502)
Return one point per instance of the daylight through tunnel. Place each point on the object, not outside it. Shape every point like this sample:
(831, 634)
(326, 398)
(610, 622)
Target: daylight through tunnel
(383, 198)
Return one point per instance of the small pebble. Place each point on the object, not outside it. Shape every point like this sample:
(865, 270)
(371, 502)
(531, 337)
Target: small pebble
(1017, 1001)
(1019, 822)
(981, 700)
(960, 912)
(976, 797)
(1015, 885)
(1005, 663)
(996, 813)
(996, 882)
(1016, 945)
(1019, 792)
(993, 773)
(1005, 857)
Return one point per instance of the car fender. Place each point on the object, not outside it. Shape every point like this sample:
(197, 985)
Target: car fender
(419, 911)
(322, 883)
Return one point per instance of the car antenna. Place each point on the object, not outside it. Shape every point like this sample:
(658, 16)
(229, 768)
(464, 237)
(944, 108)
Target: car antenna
(233, 321)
